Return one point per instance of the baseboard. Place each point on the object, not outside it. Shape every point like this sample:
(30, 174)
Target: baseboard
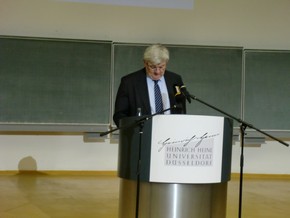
(60, 172)
(114, 173)
(261, 176)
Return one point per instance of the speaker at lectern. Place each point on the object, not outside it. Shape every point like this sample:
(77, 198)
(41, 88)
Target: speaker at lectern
(181, 162)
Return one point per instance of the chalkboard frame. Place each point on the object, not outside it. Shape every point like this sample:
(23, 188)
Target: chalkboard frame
(112, 83)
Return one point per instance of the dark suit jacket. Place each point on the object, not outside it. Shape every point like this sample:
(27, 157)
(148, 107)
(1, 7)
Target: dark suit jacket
(133, 94)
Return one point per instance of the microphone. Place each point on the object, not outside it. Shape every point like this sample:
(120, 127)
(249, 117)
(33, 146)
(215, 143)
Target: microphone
(177, 94)
(177, 90)
(185, 93)
(179, 99)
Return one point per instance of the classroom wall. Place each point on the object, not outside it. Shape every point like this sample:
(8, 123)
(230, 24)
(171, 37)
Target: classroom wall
(252, 24)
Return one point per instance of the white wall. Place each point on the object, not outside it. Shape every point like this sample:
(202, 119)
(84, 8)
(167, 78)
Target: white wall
(56, 152)
(249, 23)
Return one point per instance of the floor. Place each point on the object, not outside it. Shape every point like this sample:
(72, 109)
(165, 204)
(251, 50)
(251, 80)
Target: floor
(41, 196)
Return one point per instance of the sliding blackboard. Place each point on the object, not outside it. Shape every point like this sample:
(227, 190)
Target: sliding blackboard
(267, 89)
(213, 74)
(54, 81)
(58, 82)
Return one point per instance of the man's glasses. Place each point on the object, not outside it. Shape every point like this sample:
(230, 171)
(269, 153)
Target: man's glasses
(156, 67)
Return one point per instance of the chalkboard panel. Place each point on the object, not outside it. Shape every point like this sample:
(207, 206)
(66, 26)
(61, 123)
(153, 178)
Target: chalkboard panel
(267, 89)
(127, 59)
(53, 81)
(213, 74)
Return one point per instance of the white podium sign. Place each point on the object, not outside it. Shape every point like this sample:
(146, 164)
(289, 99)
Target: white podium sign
(186, 149)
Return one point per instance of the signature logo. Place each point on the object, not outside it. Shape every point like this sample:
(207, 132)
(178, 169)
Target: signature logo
(185, 142)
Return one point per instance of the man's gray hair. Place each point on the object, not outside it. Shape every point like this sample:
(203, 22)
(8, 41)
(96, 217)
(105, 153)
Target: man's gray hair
(156, 54)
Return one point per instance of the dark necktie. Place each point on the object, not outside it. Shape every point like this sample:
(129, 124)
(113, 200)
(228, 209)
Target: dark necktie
(158, 97)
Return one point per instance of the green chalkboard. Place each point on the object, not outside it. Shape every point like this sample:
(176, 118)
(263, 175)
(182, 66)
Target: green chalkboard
(62, 82)
(213, 74)
(267, 89)
(54, 81)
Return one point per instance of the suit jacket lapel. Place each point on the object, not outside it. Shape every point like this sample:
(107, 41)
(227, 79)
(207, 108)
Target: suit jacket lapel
(142, 88)
(169, 83)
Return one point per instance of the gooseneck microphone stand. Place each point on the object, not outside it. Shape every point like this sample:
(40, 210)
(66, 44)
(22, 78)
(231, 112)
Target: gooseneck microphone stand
(243, 126)
(139, 122)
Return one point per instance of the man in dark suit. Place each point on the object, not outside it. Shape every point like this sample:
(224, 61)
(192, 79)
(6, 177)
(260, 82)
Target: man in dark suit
(136, 91)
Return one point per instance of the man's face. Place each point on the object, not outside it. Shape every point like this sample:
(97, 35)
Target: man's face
(155, 72)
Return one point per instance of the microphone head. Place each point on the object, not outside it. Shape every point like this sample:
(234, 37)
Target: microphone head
(179, 97)
(185, 93)
(177, 90)
(179, 100)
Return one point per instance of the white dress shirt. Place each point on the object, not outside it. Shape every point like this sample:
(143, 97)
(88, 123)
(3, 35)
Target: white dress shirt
(164, 94)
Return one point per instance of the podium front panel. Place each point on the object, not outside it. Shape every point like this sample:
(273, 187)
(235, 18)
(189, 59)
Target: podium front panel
(185, 149)
(188, 149)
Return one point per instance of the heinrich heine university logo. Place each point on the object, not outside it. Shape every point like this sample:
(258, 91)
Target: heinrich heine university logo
(193, 151)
